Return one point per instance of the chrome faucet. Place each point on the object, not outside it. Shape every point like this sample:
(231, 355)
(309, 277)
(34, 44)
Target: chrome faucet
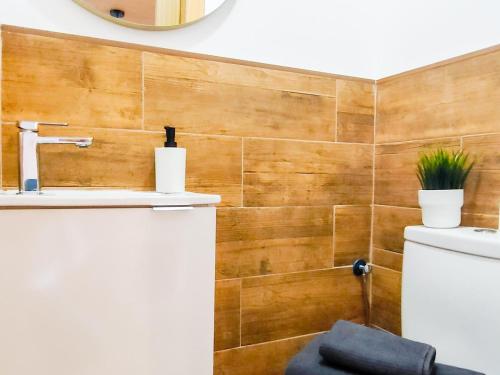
(29, 180)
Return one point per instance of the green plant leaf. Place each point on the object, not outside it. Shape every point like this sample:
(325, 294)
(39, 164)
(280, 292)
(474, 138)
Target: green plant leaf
(443, 170)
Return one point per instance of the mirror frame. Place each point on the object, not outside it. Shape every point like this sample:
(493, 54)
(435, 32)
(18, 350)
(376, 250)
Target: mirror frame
(134, 25)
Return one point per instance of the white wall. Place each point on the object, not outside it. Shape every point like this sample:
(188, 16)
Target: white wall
(420, 32)
(362, 38)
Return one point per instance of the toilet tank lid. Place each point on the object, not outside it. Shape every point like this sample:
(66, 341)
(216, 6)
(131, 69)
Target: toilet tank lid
(470, 240)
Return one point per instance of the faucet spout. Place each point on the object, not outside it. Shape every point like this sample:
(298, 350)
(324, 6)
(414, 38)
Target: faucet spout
(29, 180)
(81, 142)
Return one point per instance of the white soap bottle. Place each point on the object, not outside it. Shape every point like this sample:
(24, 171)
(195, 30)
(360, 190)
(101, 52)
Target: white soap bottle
(170, 165)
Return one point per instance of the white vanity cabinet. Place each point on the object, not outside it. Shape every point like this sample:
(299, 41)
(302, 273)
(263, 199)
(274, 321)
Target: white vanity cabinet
(107, 290)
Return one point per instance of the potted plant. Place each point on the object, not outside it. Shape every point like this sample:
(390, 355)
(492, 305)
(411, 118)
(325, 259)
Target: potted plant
(442, 175)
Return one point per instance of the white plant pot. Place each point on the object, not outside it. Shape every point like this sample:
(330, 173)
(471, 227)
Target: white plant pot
(441, 208)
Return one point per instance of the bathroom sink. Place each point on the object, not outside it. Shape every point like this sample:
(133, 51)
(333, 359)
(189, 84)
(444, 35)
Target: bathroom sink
(103, 198)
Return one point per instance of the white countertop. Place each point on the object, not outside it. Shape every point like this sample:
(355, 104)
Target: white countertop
(103, 198)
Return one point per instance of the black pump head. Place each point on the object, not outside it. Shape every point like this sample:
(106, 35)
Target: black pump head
(170, 137)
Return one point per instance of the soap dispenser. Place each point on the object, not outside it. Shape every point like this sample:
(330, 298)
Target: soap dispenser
(170, 165)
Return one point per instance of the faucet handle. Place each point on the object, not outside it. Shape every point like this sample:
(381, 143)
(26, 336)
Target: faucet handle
(33, 125)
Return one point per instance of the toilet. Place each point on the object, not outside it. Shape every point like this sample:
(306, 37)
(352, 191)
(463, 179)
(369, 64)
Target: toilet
(451, 294)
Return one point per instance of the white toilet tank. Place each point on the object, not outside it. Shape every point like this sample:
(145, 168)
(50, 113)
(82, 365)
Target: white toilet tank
(451, 294)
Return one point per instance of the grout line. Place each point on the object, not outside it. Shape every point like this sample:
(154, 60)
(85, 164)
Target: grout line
(479, 134)
(458, 136)
(295, 206)
(388, 250)
(287, 273)
(140, 130)
(308, 141)
(272, 341)
(380, 328)
(403, 207)
(421, 140)
(374, 175)
(479, 213)
(385, 268)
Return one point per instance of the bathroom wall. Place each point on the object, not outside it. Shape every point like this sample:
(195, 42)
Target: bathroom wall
(454, 104)
(290, 152)
(348, 38)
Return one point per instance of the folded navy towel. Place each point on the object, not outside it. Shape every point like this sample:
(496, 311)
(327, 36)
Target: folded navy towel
(375, 352)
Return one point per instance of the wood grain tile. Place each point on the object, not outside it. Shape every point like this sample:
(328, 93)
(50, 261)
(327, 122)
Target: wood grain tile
(450, 100)
(270, 358)
(260, 241)
(85, 84)
(352, 234)
(161, 65)
(284, 173)
(280, 306)
(396, 182)
(386, 299)
(355, 111)
(482, 192)
(355, 128)
(200, 106)
(480, 220)
(121, 158)
(387, 259)
(227, 314)
(389, 225)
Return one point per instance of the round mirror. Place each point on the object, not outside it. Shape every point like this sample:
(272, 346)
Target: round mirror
(151, 14)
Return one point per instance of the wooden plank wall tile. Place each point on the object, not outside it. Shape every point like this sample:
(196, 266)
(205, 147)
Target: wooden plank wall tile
(122, 158)
(227, 314)
(386, 299)
(389, 224)
(387, 259)
(270, 358)
(480, 220)
(284, 173)
(279, 306)
(58, 80)
(352, 234)
(455, 99)
(355, 111)
(396, 182)
(267, 240)
(234, 74)
(483, 187)
(215, 106)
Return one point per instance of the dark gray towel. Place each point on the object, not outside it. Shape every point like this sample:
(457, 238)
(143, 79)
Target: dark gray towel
(449, 370)
(374, 352)
(310, 362)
